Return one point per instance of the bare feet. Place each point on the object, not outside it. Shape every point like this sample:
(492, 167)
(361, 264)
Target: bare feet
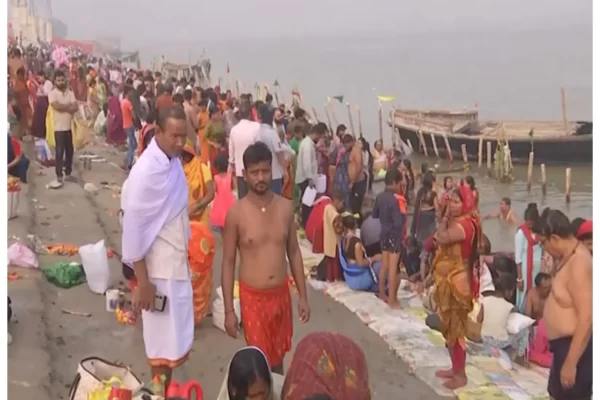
(445, 373)
(382, 297)
(394, 304)
(456, 382)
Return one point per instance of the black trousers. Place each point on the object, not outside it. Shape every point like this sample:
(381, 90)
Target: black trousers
(305, 209)
(357, 195)
(64, 152)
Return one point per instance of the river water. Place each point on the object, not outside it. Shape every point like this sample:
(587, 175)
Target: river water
(500, 233)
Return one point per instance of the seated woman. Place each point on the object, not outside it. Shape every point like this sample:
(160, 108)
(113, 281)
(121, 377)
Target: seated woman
(18, 163)
(249, 377)
(360, 272)
(321, 234)
(327, 366)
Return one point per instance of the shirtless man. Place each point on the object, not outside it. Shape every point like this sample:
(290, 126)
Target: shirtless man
(537, 296)
(568, 310)
(505, 212)
(262, 227)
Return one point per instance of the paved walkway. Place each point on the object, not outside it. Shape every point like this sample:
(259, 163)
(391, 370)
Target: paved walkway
(48, 344)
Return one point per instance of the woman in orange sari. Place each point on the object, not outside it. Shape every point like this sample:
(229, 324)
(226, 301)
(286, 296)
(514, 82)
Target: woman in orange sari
(457, 240)
(22, 94)
(201, 250)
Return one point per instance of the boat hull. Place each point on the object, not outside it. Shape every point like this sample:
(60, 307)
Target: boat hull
(574, 149)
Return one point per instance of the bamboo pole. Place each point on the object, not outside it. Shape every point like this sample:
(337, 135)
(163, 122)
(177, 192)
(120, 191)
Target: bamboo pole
(489, 156)
(333, 117)
(448, 149)
(315, 114)
(568, 185)
(410, 145)
(435, 148)
(360, 130)
(463, 149)
(563, 100)
(329, 120)
(380, 121)
(422, 140)
(530, 171)
(350, 119)
(393, 128)
(543, 169)
(237, 89)
(480, 153)
(276, 99)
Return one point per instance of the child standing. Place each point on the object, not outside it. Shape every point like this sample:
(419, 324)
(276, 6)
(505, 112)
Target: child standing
(224, 198)
(387, 210)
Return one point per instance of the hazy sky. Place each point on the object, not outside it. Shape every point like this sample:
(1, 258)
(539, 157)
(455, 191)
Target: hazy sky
(205, 20)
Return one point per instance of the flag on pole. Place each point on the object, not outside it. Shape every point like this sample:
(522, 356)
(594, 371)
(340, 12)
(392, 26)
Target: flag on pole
(296, 93)
(338, 98)
(385, 98)
(228, 71)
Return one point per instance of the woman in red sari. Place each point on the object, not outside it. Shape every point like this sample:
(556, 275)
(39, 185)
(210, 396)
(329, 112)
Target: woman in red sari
(457, 240)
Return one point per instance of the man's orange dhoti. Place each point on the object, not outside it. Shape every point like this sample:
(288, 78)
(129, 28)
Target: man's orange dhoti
(267, 320)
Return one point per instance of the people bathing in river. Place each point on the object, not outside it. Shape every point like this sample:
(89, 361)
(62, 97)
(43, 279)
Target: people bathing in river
(380, 161)
(504, 213)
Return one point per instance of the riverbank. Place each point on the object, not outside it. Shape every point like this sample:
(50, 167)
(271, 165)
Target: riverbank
(58, 341)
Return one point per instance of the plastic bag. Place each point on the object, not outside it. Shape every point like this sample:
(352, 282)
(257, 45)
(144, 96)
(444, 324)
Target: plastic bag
(22, 256)
(95, 265)
(43, 151)
(65, 275)
(100, 124)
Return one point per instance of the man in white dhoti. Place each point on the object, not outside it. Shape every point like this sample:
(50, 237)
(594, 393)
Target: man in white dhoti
(155, 240)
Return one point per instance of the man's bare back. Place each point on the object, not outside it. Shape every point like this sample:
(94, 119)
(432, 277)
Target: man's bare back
(262, 240)
(559, 312)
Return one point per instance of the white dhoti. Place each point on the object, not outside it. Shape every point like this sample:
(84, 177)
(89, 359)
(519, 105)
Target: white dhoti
(169, 335)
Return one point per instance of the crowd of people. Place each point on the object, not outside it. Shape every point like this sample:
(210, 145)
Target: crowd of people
(188, 149)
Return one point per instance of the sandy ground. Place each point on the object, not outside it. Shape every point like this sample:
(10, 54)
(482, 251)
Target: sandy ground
(48, 344)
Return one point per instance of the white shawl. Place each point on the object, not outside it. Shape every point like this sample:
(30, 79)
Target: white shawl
(157, 192)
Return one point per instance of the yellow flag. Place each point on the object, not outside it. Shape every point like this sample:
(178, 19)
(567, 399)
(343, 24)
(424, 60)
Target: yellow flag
(386, 98)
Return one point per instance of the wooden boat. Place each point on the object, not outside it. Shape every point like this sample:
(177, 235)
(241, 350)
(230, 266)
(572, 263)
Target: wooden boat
(552, 142)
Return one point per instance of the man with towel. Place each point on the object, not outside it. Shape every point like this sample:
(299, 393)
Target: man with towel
(156, 232)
